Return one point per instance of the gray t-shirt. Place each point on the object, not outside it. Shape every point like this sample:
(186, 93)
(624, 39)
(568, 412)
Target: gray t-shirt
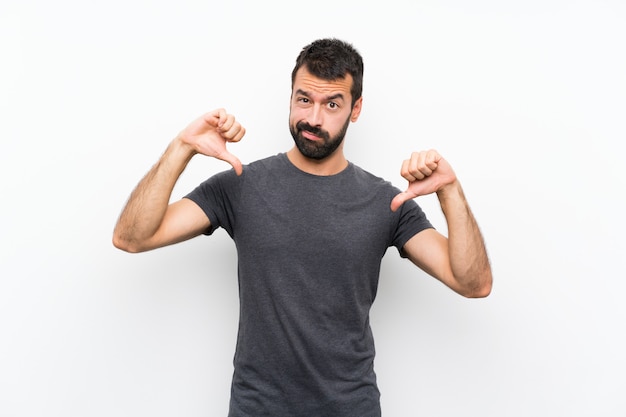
(309, 253)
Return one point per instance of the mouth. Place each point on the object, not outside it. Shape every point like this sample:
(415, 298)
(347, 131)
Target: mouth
(309, 135)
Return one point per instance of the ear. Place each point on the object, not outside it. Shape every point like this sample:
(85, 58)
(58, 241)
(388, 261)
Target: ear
(356, 110)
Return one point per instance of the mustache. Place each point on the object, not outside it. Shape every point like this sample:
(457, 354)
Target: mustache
(317, 131)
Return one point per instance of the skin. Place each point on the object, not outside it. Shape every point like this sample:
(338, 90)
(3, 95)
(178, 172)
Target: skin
(460, 261)
(323, 104)
(149, 221)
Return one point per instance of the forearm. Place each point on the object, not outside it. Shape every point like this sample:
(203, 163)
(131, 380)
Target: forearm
(146, 206)
(468, 257)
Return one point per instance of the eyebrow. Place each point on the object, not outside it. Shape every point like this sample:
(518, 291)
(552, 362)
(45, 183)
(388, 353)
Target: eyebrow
(327, 98)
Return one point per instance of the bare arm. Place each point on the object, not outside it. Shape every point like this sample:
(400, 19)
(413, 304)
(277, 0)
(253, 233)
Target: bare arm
(460, 261)
(148, 221)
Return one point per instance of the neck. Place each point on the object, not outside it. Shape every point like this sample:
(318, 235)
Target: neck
(331, 165)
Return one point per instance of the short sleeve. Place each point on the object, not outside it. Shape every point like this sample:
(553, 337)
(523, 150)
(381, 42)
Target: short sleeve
(215, 197)
(412, 220)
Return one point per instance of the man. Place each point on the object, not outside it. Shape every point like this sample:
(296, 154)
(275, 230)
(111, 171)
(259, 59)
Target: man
(311, 229)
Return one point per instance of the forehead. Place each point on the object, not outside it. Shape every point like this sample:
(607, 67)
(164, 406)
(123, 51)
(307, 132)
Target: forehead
(309, 83)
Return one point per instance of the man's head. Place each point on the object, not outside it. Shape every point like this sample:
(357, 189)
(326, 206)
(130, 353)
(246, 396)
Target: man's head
(332, 59)
(326, 84)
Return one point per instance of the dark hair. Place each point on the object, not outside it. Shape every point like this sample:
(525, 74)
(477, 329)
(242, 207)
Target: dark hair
(331, 59)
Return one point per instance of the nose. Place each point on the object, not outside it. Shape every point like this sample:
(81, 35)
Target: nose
(315, 116)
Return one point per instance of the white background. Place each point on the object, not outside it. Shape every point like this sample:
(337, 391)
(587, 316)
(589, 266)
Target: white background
(526, 99)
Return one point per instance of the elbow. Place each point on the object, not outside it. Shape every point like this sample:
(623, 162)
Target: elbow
(481, 292)
(473, 283)
(120, 244)
(482, 287)
(125, 245)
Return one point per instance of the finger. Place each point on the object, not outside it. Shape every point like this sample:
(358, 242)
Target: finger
(418, 165)
(400, 199)
(232, 160)
(233, 132)
(226, 123)
(405, 171)
(213, 117)
(431, 159)
(222, 118)
(239, 135)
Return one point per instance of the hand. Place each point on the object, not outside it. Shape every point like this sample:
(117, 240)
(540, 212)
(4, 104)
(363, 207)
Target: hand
(427, 172)
(209, 134)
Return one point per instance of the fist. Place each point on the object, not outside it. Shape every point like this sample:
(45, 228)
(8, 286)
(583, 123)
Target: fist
(209, 134)
(427, 172)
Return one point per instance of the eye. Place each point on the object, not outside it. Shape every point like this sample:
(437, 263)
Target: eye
(333, 105)
(303, 100)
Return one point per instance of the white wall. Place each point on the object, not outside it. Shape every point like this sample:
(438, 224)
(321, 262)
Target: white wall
(526, 99)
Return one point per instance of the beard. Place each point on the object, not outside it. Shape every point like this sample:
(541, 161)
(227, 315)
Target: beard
(317, 149)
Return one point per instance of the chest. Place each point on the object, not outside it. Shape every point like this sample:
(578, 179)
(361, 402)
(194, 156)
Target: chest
(312, 219)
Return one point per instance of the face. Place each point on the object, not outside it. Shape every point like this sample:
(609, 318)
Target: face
(320, 113)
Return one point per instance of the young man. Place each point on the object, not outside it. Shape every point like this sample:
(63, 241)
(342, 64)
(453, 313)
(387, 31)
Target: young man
(311, 229)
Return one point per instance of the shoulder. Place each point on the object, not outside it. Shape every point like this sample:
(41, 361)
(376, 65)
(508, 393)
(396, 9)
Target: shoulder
(270, 162)
(269, 170)
(372, 181)
(363, 173)
(271, 165)
(250, 171)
